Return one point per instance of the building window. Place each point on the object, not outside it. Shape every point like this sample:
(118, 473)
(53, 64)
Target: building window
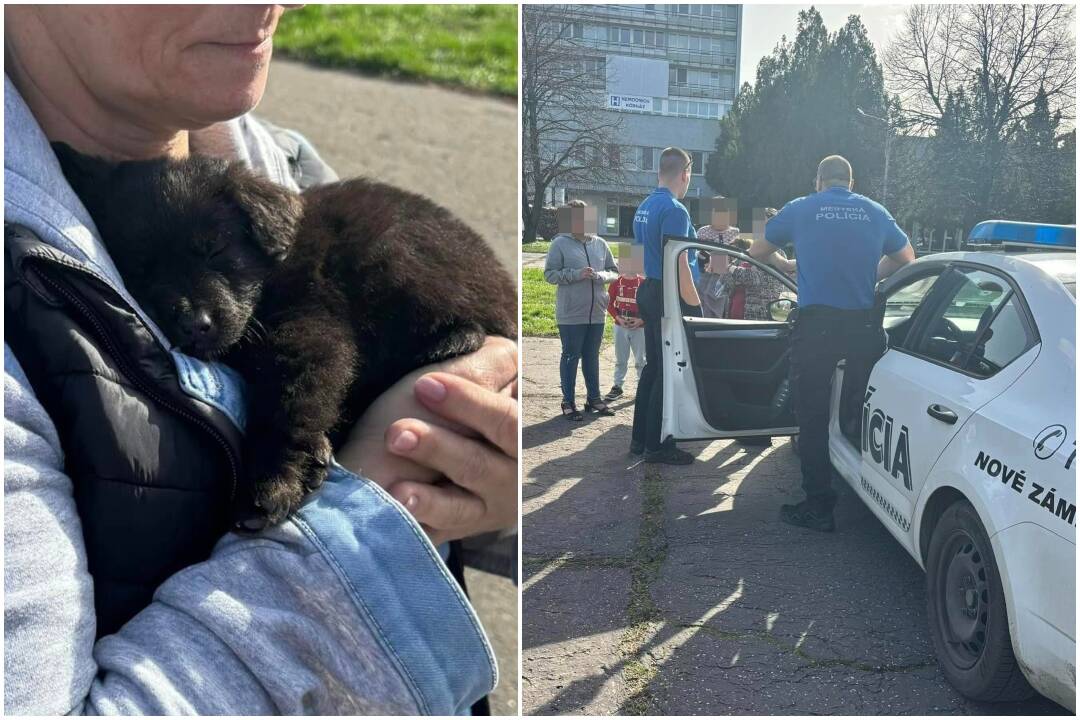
(698, 158)
(613, 157)
(611, 221)
(647, 158)
(657, 105)
(639, 37)
(596, 69)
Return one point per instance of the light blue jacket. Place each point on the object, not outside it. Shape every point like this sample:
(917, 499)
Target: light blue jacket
(344, 609)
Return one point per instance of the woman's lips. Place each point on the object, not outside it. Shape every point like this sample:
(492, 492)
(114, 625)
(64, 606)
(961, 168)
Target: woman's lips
(245, 48)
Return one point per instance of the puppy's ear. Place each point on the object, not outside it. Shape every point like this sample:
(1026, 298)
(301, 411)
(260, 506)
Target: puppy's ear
(273, 211)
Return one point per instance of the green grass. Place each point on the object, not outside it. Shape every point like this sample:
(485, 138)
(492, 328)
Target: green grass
(537, 304)
(539, 246)
(538, 307)
(469, 46)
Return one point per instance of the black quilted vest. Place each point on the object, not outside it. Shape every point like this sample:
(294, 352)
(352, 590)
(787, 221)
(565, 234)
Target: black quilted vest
(154, 470)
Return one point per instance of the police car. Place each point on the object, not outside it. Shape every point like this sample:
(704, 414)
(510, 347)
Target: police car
(965, 450)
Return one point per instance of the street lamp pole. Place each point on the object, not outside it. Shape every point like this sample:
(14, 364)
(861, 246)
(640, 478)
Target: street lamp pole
(888, 139)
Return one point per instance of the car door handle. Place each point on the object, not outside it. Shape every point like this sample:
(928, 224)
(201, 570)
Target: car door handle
(942, 413)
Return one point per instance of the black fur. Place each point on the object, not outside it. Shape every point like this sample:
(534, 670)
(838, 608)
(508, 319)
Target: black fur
(320, 300)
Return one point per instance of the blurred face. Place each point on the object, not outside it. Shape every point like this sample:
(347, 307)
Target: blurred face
(576, 221)
(165, 66)
(631, 259)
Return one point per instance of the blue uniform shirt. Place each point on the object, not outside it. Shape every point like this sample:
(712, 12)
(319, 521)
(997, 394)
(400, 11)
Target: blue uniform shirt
(839, 238)
(658, 215)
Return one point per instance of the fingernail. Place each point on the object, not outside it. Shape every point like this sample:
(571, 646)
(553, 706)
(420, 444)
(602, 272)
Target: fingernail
(405, 441)
(412, 502)
(430, 389)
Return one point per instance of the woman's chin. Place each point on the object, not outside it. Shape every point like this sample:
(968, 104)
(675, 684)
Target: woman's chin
(240, 83)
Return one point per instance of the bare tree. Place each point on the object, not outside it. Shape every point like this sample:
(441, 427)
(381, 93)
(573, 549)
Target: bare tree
(976, 71)
(566, 134)
(1002, 54)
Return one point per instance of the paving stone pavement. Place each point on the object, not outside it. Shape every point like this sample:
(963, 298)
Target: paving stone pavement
(456, 148)
(676, 591)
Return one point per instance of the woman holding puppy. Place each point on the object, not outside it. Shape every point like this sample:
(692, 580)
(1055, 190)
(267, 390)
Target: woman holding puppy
(123, 592)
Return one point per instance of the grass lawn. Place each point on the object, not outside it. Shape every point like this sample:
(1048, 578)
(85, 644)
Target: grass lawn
(538, 307)
(470, 46)
(540, 246)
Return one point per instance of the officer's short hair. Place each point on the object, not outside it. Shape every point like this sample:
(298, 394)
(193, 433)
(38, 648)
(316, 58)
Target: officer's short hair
(834, 170)
(673, 161)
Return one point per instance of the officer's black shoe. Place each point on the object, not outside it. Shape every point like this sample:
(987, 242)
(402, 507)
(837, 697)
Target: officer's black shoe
(637, 448)
(614, 393)
(668, 455)
(808, 516)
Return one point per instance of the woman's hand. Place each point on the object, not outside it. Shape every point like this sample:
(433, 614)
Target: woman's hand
(492, 369)
(480, 493)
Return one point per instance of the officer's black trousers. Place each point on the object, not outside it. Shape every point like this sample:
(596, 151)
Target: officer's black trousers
(648, 404)
(822, 337)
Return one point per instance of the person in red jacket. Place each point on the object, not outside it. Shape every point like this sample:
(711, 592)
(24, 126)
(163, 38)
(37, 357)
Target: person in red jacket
(629, 335)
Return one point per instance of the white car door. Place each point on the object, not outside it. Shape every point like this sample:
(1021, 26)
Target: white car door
(724, 377)
(972, 339)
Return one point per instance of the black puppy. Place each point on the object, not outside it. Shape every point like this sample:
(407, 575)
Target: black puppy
(320, 300)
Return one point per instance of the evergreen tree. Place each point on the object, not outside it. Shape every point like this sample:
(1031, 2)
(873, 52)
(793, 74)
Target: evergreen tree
(803, 106)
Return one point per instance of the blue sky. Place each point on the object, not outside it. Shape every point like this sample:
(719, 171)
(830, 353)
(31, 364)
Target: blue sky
(763, 25)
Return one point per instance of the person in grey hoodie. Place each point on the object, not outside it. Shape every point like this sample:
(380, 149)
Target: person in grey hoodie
(580, 264)
(347, 607)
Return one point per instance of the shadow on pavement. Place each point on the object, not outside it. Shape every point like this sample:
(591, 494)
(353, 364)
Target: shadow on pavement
(708, 604)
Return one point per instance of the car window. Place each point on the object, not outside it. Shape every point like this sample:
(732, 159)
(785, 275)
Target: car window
(1006, 339)
(980, 328)
(735, 289)
(901, 305)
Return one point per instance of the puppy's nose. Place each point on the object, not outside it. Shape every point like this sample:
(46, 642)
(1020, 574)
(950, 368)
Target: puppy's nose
(203, 324)
(196, 326)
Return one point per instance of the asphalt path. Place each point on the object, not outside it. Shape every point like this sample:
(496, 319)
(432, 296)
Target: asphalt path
(675, 590)
(461, 151)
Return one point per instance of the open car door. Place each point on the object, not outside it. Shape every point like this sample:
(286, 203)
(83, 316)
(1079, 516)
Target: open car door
(725, 377)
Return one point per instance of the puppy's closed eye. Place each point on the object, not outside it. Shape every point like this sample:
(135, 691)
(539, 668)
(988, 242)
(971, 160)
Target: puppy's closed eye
(218, 243)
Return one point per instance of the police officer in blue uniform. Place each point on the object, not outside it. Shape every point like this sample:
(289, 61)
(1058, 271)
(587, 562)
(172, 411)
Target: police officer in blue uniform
(845, 243)
(660, 214)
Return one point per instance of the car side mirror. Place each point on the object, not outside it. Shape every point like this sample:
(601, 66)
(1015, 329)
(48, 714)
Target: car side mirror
(780, 310)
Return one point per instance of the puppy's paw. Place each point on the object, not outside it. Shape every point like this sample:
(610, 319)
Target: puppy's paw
(320, 463)
(281, 484)
(279, 495)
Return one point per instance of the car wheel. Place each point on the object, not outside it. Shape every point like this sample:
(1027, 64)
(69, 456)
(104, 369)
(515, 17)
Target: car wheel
(968, 623)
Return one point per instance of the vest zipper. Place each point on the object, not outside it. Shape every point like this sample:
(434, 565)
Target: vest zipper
(146, 388)
(592, 283)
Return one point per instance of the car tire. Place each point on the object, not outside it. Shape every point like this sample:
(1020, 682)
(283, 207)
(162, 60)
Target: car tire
(969, 626)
